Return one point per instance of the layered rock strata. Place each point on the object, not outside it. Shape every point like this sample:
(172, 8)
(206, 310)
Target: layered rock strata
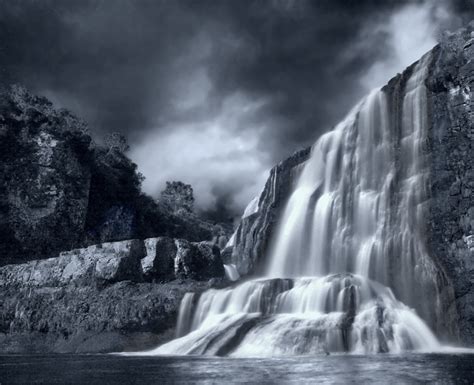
(104, 297)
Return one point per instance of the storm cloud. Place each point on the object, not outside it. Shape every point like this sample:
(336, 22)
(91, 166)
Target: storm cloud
(214, 93)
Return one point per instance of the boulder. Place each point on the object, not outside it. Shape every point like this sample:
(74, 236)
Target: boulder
(199, 261)
(155, 259)
(119, 261)
(211, 257)
(47, 272)
(158, 263)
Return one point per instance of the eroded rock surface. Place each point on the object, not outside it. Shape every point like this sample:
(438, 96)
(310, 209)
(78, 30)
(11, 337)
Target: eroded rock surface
(451, 147)
(122, 316)
(44, 177)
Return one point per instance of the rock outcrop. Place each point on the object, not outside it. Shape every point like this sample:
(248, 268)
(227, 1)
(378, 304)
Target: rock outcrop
(100, 298)
(44, 177)
(156, 259)
(103, 263)
(197, 260)
(159, 260)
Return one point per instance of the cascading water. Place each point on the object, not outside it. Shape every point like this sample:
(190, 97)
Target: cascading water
(351, 230)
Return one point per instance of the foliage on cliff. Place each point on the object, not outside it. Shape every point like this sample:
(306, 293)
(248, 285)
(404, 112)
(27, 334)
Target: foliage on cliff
(60, 190)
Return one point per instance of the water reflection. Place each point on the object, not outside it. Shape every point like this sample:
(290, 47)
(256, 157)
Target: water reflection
(333, 369)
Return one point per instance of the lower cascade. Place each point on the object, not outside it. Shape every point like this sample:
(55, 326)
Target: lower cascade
(335, 313)
(348, 264)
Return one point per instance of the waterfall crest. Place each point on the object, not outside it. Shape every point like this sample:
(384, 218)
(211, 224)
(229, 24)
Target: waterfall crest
(349, 258)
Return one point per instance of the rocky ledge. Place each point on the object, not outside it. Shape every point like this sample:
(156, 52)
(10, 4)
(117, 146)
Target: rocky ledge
(108, 297)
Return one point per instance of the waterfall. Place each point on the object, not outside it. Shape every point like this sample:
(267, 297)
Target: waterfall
(231, 272)
(184, 315)
(348, 263)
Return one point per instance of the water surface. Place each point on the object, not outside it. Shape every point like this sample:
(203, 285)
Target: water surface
(333, 369)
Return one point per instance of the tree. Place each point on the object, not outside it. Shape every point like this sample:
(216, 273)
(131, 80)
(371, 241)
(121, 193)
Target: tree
(178, 196)
(117, 141)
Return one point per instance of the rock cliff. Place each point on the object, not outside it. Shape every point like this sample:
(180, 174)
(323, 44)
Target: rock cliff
(44, 177)
(59, 190)
(451, 147)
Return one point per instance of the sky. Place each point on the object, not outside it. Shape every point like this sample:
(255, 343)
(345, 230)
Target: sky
(215, 92)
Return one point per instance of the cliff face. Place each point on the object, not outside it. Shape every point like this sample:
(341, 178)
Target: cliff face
(44, 177)
(59, 190)
(451, 145)
(450, 224)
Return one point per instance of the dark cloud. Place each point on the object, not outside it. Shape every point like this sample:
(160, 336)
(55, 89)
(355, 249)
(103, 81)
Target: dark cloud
(213, 92)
